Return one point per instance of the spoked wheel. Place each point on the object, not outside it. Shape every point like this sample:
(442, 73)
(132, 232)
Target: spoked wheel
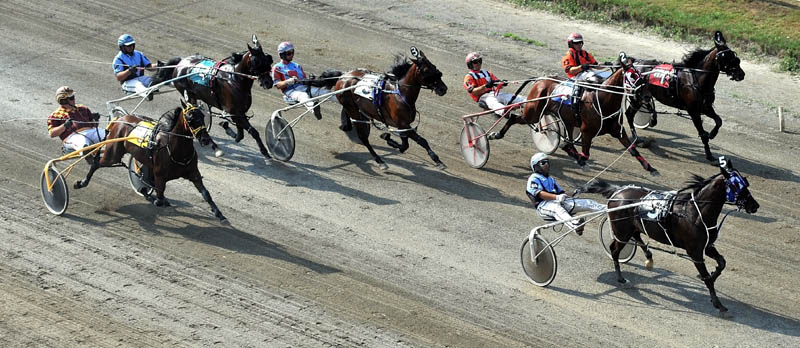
(56, 198)
(607, 238)
(476, 154)
(280, 139)
(135, 177)
(547, 133)
(542, 270)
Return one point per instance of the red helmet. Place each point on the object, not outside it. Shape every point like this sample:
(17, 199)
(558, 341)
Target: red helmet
(472, 56)
(574, 37)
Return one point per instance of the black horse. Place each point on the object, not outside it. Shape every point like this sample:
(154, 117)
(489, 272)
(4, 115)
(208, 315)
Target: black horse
(692, 87)
(689, 223)
(224, 85)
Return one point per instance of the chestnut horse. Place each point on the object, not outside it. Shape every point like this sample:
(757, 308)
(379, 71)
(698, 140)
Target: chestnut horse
(690, 223)
(599, 111)
(692, 89)
(396, 105)
(228, 88)
(171, 156)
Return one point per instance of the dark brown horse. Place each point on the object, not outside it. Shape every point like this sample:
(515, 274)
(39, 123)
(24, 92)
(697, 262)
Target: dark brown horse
(690, 223)
(395, 104)
(171, 156)
(692, 89)
(599, 111)
(227, 87)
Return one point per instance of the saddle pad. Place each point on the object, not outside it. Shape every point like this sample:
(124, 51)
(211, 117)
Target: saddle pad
(563, 92)
(143, 132)
(661, 75)
(656, 205)
(203, 70)
(365, 85)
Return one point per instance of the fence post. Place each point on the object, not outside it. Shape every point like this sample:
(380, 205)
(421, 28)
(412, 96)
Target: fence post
(780, 119)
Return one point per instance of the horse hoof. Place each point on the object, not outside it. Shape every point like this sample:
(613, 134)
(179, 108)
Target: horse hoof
(223, 220)
(219, 153)
(441, 166)
(622, 281)
(648, 264)
(383, 166)
(654, 172)
(346, 128)
(492, 136)
(77, 185)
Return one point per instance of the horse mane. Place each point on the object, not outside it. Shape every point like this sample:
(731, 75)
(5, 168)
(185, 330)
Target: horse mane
(697, 182)
(169, 118)
(694, 58)
(401, 66)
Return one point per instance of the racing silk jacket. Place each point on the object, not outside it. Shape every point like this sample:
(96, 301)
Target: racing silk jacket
(574, 58)
(122, 61)
(475, 79)
(538, 183)
(79, 113)
(283, 72)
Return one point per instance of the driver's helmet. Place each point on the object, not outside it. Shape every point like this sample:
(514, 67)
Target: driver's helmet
(472, 56)
(63, 92)
(574, 37)
(125, 40)
(284, 47)
(536, 158)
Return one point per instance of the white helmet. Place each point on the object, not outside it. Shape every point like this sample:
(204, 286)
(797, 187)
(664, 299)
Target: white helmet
(536, 158)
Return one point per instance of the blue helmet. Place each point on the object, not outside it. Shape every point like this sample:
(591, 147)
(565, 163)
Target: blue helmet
(125, 40)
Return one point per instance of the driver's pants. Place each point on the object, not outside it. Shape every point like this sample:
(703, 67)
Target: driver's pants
(562, 211)
(137, 85)
(498, 101)
(301, 96)
(84, 138)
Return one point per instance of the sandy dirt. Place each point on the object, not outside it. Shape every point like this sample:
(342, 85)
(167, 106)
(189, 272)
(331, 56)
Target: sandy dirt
(327, 249)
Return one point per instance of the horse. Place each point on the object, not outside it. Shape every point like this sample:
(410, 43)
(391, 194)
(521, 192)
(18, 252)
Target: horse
(694, 82)
(170, 156)
(599, 106)
(690, 221)
(228, 87)
(395, 103)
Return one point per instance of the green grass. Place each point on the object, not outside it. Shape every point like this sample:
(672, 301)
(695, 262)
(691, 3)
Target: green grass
(758, 26)
(526, 40)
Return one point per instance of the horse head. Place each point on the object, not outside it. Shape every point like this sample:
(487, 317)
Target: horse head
(195, 122)
(430, 76)
(260, 64)
(726, 59)
(633, 81)
(736, 187)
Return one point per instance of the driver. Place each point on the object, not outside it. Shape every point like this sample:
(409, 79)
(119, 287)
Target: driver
(129, 65)
(75, 124)
(575, 63)
(550, 199)
(479, 83)
(292, 80)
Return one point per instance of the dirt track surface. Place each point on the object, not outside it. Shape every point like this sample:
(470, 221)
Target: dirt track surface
(328, 250)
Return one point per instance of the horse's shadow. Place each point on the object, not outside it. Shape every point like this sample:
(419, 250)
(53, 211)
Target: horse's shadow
(688, 293)
(207, 230)
(424, 174)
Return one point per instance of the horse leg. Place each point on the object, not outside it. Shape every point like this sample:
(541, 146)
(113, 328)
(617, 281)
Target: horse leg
(712, 252)
(697, 257)
(586, 145)
(709, 110)
(159, 185)
(623, 139)
(197, 180)
(616, 248)
(85, 182)
(698, 124)
(648, 255)
(424, 143)
(400, 147)
(345, 125)
(499, 135)
(243, 123)
(362, 129)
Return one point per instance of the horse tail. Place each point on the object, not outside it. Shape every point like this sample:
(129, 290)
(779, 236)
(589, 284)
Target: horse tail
(327, 79)
(601, 187)
(165, 70)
